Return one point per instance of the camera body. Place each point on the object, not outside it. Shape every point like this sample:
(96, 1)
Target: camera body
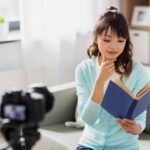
(21, 111)
(23, 107)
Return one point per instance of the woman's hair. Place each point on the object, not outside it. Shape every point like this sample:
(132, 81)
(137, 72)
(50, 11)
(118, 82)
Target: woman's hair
(116, 21)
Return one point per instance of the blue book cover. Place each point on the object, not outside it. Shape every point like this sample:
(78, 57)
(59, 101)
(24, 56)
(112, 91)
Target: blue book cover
(120, 104)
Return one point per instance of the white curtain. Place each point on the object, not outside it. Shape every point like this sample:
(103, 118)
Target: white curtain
(103, 4)
(55, 35)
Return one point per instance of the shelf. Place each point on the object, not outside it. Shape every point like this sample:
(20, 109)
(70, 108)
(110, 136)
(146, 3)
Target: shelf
(140, 28)
(10, 37)
(127, 7)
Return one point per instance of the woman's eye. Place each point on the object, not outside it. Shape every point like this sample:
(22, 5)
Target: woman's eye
(121, 41)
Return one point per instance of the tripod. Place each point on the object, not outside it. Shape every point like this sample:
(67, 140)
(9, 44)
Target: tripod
(18, 143)
(20, 138)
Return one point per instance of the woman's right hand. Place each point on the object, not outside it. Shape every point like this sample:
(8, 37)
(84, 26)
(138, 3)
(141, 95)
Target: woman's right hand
(106, 69)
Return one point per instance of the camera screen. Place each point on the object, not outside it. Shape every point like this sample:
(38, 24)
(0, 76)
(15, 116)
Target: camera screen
(15, 112)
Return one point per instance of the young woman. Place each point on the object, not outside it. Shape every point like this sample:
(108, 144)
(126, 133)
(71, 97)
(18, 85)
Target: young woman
(110, 58)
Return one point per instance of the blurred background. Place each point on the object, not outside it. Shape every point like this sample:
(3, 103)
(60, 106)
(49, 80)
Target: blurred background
(44, 40)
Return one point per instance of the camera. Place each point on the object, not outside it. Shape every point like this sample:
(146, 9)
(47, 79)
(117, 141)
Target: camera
(22, 111)
(23, 108)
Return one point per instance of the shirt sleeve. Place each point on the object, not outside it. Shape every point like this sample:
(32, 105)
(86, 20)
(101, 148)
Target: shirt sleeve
(87, 109)
(143, 78)
(141, 120)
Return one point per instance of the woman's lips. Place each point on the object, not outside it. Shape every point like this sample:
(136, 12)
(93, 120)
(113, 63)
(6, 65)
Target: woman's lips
(112, 52)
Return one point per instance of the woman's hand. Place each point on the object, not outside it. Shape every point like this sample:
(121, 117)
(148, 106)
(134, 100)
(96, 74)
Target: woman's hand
(106, 69)
(129, 126)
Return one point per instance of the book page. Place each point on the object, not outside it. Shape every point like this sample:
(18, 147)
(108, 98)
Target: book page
(143, 91)
(122, 85)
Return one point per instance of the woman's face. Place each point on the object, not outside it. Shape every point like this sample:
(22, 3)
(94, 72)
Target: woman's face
(110, 45)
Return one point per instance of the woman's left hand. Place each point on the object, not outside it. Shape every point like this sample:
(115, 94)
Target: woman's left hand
(129, 126)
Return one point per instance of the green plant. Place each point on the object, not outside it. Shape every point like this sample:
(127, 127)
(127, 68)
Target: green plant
(2, 19)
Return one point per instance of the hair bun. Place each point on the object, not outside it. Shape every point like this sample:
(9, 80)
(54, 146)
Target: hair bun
(112, 8)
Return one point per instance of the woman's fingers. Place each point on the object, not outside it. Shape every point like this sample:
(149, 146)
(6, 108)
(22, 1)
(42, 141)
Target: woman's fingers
(110, 68)
(129, 121)
(127, 124)
(107, 67)
(109, 62)
(106, 60)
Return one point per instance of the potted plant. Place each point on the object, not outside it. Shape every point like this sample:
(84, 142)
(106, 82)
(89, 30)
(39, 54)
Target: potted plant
(3, 27)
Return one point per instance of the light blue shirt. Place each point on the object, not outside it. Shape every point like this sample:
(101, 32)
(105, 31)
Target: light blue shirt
(101, 131)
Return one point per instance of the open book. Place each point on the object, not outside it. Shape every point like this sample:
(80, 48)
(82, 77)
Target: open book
(119, 101)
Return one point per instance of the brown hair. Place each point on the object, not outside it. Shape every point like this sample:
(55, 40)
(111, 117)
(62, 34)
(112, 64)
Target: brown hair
(114, 19)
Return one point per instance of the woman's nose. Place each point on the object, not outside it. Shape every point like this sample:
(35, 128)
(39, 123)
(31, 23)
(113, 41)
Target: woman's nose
(113, 45)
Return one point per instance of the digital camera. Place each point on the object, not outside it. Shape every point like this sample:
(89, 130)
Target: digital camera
(21, 107)
(20, 112)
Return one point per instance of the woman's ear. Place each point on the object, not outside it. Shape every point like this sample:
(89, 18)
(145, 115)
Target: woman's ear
(95, 39)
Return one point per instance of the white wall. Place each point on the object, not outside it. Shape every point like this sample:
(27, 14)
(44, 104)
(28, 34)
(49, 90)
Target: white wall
(103, 4)
(9, 8)
(10, 55)
(12, 72)
(10, 50)
(59, 66)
